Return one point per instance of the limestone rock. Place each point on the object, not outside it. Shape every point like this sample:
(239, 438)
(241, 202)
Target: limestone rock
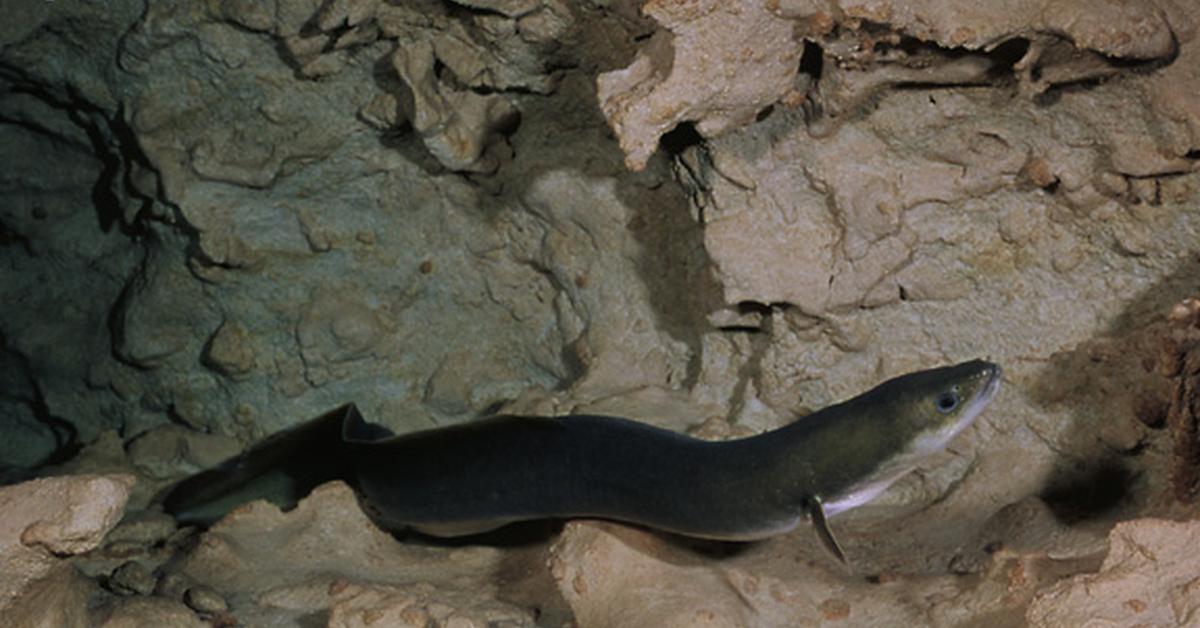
(325, 555)
(150, 611)
(163, 452)
(204, 600)
(58, 599)
(230, 351)
(359, 605)
(706, 70)
(613, 575)
(1148, 579)
(147, 528)
(132, 578)
(457, 126)
(721, 64)
(49, 519)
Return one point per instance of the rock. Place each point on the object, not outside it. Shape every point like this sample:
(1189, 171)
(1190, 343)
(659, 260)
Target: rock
(676, 78)
(1148, 579)
(48, 519)
(104, 455)
(231, 351)
(173, 586)
(165, 451)
(144, 528)
(336, 327)
(159, 452)
(1179, 358)
(702, 73)
(132, 578)
(1029, 527)
(457, 126)
(325, 555)
(204, 600)
(613, 575)
(136, 612)
(60, 599)
(155, 317)
(357, 606)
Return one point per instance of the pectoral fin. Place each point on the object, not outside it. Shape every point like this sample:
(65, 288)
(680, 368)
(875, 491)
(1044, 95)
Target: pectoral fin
(816, 512)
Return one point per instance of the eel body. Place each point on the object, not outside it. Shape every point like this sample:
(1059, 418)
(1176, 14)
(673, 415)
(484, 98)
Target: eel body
(479, 476)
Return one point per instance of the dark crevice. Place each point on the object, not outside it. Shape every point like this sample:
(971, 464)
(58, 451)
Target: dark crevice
(1088, 491)
(443, 74)
(907, 44)
(334, 36)
(116, 314)
(743, 329)
(574, 356)
(66, 436)
(493, 408)
(754, 307)
(311, 27)
(679, 139)
(515, 90)
(9, 237)
(113, 144)
(1005, 56)
(1051, 96)
(289, 59)
(921, 86)
(470, 14)
(104, 192)
(812, 60)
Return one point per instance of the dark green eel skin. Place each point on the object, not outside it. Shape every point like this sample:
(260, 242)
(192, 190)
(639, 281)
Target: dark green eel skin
(476, 477)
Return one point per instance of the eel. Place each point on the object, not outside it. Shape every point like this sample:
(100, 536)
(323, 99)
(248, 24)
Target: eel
(472, 478)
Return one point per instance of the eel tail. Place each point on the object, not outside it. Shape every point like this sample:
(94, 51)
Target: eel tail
(281, 469)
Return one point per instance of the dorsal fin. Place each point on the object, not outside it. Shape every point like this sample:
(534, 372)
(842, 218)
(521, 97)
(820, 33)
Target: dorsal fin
(357, 430)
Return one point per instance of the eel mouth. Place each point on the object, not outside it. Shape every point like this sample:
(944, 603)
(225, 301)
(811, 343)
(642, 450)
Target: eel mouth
(976, 405)
(991, 386)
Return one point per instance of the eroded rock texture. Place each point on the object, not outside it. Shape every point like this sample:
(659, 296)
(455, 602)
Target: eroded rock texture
(45, 522)
(1148, 579)
(224, 218)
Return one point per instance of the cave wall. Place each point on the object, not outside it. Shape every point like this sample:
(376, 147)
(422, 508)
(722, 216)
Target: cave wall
(225, 217)
(240, 213)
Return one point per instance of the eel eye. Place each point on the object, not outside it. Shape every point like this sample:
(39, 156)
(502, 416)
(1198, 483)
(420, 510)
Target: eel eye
(947, 401)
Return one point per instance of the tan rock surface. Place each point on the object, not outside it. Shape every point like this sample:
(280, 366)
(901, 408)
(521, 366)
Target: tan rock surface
(326, 556)
(47, 520)
(1149, 578)
(150, 611)
(721, 64)
(725, 62)
(58, 599)
(613, 576)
